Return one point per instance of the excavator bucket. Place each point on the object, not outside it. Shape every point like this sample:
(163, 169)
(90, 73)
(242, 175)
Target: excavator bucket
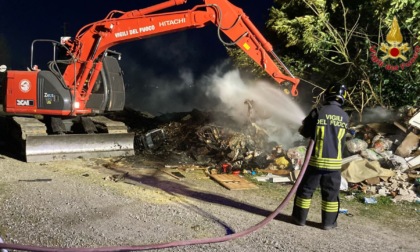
(65, 147)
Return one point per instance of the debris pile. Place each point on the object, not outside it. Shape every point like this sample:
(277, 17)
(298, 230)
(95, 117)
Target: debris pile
(384, 158)
(381, 158)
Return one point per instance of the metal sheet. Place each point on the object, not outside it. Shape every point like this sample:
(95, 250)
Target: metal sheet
(65, 147)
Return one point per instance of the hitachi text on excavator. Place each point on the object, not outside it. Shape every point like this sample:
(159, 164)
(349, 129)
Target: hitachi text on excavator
(60, 112)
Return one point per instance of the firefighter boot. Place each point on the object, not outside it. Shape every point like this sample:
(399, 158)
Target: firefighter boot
(300, 214)
(329, 220)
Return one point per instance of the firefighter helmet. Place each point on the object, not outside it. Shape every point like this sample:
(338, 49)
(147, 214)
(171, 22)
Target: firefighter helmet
(336, 92)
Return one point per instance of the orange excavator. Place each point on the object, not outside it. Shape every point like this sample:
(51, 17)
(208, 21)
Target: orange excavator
(59, 113)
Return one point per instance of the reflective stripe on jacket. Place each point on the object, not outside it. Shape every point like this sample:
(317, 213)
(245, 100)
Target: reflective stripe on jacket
(328, 128)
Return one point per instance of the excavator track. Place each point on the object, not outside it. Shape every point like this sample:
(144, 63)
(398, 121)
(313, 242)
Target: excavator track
(38, 146)
(112, 127)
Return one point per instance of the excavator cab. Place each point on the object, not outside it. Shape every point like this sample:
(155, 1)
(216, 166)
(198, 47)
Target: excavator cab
(38, 115)
(108, 93)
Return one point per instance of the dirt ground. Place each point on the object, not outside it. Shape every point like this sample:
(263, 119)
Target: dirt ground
(125, 204)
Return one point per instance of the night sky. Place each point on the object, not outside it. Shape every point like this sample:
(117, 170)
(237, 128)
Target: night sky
(166, 73)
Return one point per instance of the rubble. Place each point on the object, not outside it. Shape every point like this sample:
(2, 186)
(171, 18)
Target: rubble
(362, 170)
(381, 159)
(409, 144)
(385, 156)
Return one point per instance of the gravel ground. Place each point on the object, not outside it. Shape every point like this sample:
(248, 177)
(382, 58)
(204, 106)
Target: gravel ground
(72, 204)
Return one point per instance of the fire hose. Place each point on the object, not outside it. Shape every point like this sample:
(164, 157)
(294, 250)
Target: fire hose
(179, 243)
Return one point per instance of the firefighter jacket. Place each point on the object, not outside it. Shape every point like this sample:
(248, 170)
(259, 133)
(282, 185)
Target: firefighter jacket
(327, 126)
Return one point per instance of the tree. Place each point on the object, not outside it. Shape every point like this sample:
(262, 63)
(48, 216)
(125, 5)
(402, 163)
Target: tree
(326, 41)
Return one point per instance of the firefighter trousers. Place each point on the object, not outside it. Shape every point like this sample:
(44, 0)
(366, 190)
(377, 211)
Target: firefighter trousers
(329, 182)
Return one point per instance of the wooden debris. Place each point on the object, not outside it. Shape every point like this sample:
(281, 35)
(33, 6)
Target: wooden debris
(233, 182)
(277, 172)
(186, 167)
(173, 174)
(401, 127)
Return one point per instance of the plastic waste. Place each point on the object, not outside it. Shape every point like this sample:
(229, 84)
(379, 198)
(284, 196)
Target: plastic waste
(343, 211)
(356, 145)
(371, 200)
(282, 162)
(344, 185)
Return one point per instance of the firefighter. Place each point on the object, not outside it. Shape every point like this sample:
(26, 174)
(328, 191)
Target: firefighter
(327, 126)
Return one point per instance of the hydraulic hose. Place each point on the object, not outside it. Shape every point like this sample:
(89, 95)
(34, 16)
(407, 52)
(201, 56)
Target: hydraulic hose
(179, 243)
(2, 250)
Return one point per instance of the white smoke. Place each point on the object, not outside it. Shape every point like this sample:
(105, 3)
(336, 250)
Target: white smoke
(285, 116)
(378, 114)
(222, 89)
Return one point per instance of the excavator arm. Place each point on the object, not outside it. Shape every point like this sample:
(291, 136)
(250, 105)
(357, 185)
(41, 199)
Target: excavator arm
(92, 41)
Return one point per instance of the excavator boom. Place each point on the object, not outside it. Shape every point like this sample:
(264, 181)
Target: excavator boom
(120, 27)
